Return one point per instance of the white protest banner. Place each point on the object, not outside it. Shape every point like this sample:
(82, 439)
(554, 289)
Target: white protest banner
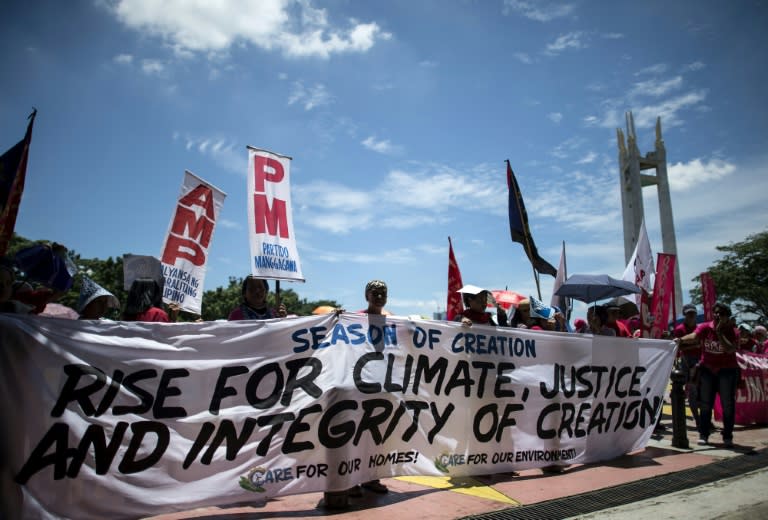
(123, 419)
(185, 251)
(270, 219)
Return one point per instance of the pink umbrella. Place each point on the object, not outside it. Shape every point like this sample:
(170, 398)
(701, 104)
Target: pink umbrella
(507, 299)
(57, 310)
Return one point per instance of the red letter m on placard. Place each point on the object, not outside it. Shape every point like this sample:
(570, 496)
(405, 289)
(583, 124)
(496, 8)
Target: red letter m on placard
(271, 221)
(192, 232)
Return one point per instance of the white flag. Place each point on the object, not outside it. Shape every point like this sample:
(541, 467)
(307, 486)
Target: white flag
(270, 222)
(640, 266)
(560, 301)
(185, 252)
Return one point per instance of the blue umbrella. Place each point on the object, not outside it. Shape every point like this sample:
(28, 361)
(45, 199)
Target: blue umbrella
(40, 263)
(590, 288)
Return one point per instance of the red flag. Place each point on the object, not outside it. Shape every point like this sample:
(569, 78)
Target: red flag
(708, 296)
(13, 170)
(663, 293)
(454, 306)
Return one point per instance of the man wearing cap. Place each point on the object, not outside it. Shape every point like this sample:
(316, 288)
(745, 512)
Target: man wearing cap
(689, 359)
(718, 370)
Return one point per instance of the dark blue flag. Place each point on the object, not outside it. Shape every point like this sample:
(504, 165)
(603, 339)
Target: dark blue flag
(518, 226)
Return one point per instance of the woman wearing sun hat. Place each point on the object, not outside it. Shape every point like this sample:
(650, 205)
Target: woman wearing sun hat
(95, 301)
(476, 300)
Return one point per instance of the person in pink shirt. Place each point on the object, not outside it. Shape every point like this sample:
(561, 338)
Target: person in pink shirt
(718, 370)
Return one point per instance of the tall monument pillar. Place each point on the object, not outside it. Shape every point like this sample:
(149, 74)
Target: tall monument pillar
(632, 181)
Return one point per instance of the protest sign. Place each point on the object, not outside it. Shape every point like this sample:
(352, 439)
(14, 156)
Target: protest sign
(752, 391)
(118, 419)
(270, 220)
(141, 266)
(185, 251)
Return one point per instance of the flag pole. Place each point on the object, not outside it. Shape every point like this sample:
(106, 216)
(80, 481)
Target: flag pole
(277, 294)
(527, 245)
(568, 301)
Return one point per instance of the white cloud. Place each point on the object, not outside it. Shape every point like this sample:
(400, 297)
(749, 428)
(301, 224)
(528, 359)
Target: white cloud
(222, 152)
(567, 147)
(572, 40)
(123, 59)
(383, 147)
(656, 88)
(152, 67)
(589, 158)
(523, 57)
(438, 191)
(538, 11)
(696, 65)
(659, 68)
(214, 27)
(428, 64)
(423, 197)
(555, 117)
(698, 172)
(645, 117)
(228, 224)
(613, 36)
(591, 121)
(311, 97)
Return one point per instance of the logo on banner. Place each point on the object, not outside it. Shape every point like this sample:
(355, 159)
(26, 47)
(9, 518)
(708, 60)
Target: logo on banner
(254, 480)
(442, 462)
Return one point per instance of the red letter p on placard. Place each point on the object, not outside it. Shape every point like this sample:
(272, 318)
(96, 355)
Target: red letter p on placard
(266, 169)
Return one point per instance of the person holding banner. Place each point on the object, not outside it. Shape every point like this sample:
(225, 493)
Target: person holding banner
(476, 300)
(718, 370)
(94, 301)
(521, 319)
(761, 337)
(254, 304)
(144, 301)
(376, 296)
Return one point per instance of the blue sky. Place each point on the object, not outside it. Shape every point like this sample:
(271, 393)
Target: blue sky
(399, 116)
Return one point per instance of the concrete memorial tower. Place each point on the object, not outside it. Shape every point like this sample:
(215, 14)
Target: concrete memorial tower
(633, 180)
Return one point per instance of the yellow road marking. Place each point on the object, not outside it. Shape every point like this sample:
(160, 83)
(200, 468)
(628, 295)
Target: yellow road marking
(464, 485)
(667, 410)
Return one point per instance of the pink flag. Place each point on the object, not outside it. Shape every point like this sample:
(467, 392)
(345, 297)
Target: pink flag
(454, 305)
(708, 295)
(663, 293)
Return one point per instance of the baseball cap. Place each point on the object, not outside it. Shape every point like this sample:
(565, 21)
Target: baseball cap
(689, 307)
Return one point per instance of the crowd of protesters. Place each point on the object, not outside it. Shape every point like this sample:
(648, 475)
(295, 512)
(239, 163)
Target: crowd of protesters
(706, 350)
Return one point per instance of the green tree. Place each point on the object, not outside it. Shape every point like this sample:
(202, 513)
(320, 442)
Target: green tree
(741, 277)
(217, 303)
